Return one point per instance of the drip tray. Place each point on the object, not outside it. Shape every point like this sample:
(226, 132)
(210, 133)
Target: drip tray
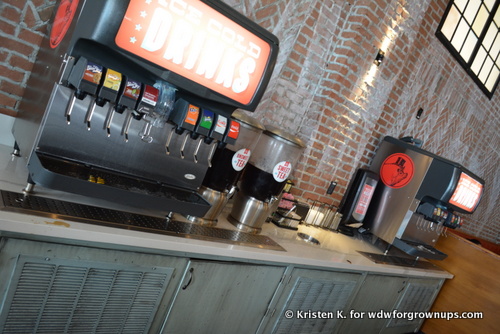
(57, 209)
(398, 261)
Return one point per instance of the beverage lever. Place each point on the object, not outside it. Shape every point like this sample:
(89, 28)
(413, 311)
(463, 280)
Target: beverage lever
(183, 146)
(211, 153)
(195, 154)
(169, 139)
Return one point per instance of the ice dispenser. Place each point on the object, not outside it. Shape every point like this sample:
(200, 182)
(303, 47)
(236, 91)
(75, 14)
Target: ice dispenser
(138, 94)
(270, 165)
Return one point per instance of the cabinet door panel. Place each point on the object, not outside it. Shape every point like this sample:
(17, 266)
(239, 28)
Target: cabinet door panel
(56, 288)
(313, 302)
(217, 297)
(417, 298)
(378, 293)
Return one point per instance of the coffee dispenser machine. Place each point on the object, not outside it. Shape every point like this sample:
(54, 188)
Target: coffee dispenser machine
(129, 99)
(270, 165)
(228, 163)
(419, 194)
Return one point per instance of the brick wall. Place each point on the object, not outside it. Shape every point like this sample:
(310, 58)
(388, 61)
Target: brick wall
(326, 89)
(22, 25)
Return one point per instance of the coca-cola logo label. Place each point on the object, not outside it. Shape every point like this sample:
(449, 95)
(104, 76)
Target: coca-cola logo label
(282, 170)
(240, 159)
(397, 170)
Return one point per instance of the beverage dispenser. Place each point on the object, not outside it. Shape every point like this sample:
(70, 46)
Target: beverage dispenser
(127, 98)
(228, 163)
(418, 195)
(272, 161)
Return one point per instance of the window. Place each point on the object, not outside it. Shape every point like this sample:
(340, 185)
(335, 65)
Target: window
(470, 30)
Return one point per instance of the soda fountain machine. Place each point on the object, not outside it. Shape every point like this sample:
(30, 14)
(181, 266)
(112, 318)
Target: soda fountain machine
(129, 99)
(263, 181)
(418, 195)
(228, 163)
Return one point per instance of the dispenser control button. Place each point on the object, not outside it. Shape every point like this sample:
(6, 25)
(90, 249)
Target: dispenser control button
(93, 73)
(185, 115)
(110, 87)
(220, 128)
(85, 77)
(232, 133)
(234, 130)
(192, 115)
(112, 80)
(132, 89)
(206, 122)
(148, 99)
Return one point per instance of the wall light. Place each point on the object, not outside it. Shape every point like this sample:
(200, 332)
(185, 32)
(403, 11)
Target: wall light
(380, 56)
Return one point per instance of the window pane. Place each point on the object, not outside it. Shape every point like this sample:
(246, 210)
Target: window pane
(451, 22)
(485, 71)
(490, 36)
(471, 10)
(469, 45)
(490, 84)
(461, 4)
(489, 4)
(479, 60)
(495, 49)
(480, 21)
(462, 31)
(497, 18)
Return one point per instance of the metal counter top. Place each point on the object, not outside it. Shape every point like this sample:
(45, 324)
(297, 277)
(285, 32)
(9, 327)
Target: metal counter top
(335, 251)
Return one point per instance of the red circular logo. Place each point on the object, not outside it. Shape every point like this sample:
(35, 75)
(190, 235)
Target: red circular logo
(64, 15)
(397, 170)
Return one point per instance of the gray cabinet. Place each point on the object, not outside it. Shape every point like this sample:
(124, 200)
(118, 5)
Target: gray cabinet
(312, 301)
(377, 293)
(386, 304)
(222, 297)
(56, 288)
(418, 296)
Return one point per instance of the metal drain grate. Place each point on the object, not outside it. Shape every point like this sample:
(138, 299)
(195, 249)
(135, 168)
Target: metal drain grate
(47, 207)
(398, 261)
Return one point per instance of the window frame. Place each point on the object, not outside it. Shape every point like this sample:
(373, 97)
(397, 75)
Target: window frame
(467, 65)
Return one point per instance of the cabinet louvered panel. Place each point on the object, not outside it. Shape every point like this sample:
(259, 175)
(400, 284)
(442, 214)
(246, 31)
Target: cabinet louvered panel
(315, 295)
(417, 298)
(62, 296)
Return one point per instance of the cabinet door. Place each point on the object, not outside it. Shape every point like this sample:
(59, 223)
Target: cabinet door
(312, 301)
(221, 297)
(417, 297)
(377, 294)
(56, 288)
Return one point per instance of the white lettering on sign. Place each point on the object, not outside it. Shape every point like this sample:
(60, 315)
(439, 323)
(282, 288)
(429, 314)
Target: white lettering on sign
(467, 193)
(240, 159)
(282, 170)
(364, 199)
(194, 40)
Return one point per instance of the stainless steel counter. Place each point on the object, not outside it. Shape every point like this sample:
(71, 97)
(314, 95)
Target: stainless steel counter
(335, 251)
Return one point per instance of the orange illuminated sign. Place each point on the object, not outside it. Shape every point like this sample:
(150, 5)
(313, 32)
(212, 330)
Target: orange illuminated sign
(467, 193)
(195, 41)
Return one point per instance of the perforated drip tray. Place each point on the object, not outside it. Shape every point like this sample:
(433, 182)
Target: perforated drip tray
(398, 261)
(57, 209)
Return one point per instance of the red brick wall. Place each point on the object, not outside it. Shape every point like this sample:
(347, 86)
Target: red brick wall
(22, 25)
(322, 91)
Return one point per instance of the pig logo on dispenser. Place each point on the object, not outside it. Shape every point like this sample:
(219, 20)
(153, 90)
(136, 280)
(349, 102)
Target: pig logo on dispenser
(397, 170)
(62, 20)
(282, 170)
